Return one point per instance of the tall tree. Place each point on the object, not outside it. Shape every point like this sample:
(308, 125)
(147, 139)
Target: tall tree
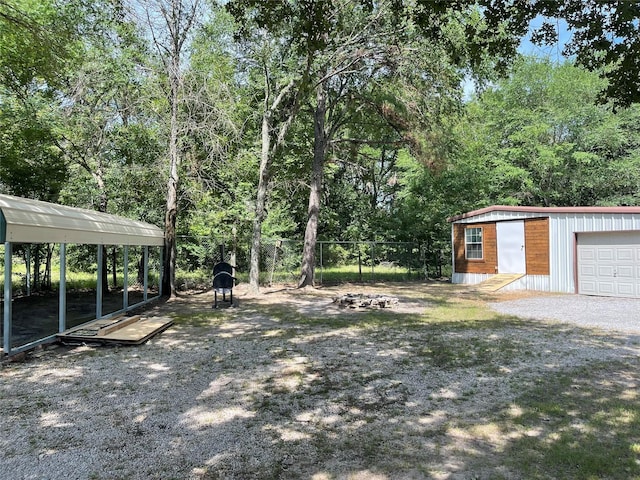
(281, 50)
(364, 66)
(171, 23)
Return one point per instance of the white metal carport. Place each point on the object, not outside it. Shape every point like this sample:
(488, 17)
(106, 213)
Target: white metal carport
(32, 221)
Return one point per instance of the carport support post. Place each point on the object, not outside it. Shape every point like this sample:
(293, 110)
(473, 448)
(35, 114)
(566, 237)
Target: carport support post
(162, 257)
(27, 251)
(62, 313)
(99, 284)
(8, 254)
(125, 286)
(146, 274)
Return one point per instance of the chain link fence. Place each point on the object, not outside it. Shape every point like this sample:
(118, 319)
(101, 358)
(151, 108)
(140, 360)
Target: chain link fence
(336, 261)
(357, 262)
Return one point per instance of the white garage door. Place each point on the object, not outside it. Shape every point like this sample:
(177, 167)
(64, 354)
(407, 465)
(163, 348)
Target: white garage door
(609, 264)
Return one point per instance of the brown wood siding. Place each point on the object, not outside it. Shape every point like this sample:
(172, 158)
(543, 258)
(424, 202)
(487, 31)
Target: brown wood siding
(489, 263)
(536, 238)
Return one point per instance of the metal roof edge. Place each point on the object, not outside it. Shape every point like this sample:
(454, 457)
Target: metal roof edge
(543, 210)
(25, 215)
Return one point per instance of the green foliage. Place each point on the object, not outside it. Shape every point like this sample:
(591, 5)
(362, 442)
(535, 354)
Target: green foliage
(545, 148)
(603, 37)
(31, 165)
(39, 42)
(83, 110)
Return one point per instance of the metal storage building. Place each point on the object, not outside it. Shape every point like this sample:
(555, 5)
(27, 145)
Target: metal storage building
(25, 221)
(586, 250)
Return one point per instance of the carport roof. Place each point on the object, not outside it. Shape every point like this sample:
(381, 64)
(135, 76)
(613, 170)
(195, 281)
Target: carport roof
(547, 210)
(31, 221)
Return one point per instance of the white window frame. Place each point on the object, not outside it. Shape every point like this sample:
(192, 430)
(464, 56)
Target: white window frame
(471, 239)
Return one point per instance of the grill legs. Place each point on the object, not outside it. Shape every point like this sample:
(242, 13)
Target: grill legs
(224, 298)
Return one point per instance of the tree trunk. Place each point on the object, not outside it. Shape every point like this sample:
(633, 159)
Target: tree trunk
(179, 17)
(171, 212)
(267, 153)
(313, 212)
(263, 182)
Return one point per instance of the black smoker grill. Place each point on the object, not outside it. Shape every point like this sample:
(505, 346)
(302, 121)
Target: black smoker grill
(223, 282)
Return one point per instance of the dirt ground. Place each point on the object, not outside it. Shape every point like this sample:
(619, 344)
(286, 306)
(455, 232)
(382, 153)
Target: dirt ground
(288, 385)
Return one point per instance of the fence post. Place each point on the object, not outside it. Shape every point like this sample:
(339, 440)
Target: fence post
(425, 264)
(145, 267)
(28, 268)
(359, 261)
(373, 261)
(125, 281)
(276, 244)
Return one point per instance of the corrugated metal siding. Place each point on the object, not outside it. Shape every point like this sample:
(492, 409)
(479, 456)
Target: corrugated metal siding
(539, 283)
(31, 221)
(528, 282)
(470, 278)
(562, 229)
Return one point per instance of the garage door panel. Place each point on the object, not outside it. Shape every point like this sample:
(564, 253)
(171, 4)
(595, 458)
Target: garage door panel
(605, 270)
(587, 253)
(587, 270)
(626, 289)
(606, 288)
(605, 254)
(624, 255)
(609, 263)
(625, 271)
(588, 288)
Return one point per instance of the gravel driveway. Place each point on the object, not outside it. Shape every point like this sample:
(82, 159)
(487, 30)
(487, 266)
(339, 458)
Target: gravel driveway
(608, 313)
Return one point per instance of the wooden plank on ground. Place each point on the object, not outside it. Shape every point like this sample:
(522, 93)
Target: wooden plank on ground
(118, 325)
(496, 282)
(96, 325)
(132, 332)
(140, 331)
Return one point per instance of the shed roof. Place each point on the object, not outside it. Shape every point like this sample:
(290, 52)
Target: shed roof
(547, 211)
(31, 221)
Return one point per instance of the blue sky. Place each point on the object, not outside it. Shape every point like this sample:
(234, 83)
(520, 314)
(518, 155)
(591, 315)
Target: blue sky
(553, 52)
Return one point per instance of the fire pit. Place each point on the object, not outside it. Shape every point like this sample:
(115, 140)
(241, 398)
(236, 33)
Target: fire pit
(362, 300)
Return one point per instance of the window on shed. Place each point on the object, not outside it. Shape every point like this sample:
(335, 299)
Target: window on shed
(473, 243)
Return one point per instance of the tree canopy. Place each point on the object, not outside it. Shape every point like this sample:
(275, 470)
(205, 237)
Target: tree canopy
(250, 120)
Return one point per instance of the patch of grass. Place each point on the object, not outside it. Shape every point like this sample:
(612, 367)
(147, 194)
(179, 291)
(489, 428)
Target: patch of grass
(469, 313)
(580, 424)
(445, 351)
(198, 319)
(348, 319)
(352, 273)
